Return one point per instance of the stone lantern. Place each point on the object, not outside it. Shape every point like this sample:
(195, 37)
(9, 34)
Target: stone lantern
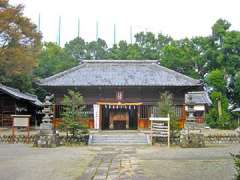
(191, 120)
(47, 135)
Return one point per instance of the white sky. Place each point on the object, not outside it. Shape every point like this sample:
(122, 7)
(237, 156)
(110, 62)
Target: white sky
(177, 18)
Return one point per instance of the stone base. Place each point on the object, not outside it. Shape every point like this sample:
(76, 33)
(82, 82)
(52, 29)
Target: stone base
(45, 140)
(192, 140)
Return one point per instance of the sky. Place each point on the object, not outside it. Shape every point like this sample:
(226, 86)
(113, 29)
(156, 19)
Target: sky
(177, 18)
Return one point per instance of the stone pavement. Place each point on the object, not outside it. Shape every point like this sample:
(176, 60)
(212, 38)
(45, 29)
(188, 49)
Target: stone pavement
(115, 163)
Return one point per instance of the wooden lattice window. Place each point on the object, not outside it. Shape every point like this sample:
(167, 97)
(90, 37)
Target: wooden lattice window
(178, 111)
(88, 111)
(144, 111)
(58, 110)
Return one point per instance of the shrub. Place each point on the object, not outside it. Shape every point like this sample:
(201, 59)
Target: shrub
(165, 107)
(216, 120)
(73, 116)
(236, 158)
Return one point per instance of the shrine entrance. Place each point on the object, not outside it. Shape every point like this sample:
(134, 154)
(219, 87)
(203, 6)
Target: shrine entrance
(119, 118)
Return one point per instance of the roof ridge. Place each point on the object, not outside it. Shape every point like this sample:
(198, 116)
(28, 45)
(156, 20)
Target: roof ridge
(120, 61)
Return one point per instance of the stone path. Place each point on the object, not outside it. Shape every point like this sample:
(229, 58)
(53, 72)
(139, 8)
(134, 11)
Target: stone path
(115, 163)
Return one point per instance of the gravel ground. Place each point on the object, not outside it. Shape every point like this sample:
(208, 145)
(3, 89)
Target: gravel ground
(213, 163)
(22, 162)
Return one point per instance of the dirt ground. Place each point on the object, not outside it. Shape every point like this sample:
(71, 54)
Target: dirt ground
(212, 163)
(24, 162)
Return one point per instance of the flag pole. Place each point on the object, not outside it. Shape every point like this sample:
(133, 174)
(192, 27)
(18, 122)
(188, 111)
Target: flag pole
(96, 30)
(78, 35)
(114, 34)
(59, 31)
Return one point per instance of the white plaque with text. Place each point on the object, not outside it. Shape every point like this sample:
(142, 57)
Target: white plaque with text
(96, 110)
(21, 121)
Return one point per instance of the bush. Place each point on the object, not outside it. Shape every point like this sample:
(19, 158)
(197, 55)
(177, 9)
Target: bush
(73, 104)
(213, 119)
(236, 158)
(165, 107)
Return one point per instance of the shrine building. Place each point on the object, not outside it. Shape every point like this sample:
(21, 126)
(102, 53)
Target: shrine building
(120, 94)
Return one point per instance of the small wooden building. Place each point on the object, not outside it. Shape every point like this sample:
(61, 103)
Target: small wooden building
(120, 94)
(12, 101)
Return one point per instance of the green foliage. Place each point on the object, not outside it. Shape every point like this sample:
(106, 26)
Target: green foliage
(236, 158)
(52, 60)
(151, 45)
(236, 88)
(219, 29)
(213, 118)
(96, 49)
(76, 48)
(188, 56)
(165, 107)
(125, 51)
(73, 121)
(215, 79)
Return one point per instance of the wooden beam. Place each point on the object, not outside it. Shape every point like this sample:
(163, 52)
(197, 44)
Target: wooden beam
(120, 103)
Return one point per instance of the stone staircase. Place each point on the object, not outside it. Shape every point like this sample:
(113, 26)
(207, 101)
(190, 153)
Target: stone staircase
(119, 139)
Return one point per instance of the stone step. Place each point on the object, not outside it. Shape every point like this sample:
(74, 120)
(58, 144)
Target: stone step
(119, 139)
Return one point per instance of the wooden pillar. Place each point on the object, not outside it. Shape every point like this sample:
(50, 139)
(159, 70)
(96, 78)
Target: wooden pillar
(168, 123)
(100, 117)
(138, 116)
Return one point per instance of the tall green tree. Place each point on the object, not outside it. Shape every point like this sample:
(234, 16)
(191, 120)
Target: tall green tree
(182, 57)
(236, 89)
(123, 50)
(97, 49)
(219, 116)
(216, 81)
(53, 59)
(77, 48)
(151, 45)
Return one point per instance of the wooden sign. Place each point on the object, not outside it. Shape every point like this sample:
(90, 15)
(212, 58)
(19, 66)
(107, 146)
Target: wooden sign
(20, 121)
(160, 127)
